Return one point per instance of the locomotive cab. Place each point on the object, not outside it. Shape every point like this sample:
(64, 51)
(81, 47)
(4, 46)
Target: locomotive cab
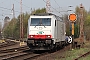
(45, 31)
(40, 32)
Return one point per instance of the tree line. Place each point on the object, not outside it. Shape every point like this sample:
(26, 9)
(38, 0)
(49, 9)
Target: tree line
(13, 27)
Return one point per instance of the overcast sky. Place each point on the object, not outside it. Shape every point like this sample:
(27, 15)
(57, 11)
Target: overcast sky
(6, 6)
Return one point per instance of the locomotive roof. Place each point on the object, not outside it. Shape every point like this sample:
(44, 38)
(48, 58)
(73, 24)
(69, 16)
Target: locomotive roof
(46, 14)
(43, 14)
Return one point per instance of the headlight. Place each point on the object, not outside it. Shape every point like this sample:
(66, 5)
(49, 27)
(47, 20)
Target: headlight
(48, 41)
(48, 36)
(31, 36)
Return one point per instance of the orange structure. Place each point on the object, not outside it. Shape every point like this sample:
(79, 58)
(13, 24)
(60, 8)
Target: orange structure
(72, 17)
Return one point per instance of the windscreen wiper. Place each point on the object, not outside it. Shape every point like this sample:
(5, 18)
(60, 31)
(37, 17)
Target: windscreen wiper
(40, 25)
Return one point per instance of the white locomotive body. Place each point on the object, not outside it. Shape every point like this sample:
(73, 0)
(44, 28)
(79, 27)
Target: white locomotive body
(45, 32)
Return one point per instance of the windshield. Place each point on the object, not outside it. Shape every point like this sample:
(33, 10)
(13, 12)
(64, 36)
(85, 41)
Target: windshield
(40, 21)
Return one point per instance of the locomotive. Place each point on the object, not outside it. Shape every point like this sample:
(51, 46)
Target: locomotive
(45, 31)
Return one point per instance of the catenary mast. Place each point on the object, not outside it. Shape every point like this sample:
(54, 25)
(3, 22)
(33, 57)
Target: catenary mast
(48, 6)
(21, 21)
(81, 36)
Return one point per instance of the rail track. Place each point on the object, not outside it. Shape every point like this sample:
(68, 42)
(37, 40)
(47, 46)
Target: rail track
(84, 55)
(20, 56)
(23, 56)
(36, 56)
(20, 53)
(2, 43)
(7, 43)
(13, 51)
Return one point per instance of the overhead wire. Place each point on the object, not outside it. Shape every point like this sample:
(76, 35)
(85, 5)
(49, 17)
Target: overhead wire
(57, 4)
(53, 8)
(3, 1)
(23, 4)
(29, 7)
(8, 9)
(11, 8)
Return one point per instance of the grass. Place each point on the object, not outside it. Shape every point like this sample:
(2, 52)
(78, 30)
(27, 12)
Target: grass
(72, 54)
